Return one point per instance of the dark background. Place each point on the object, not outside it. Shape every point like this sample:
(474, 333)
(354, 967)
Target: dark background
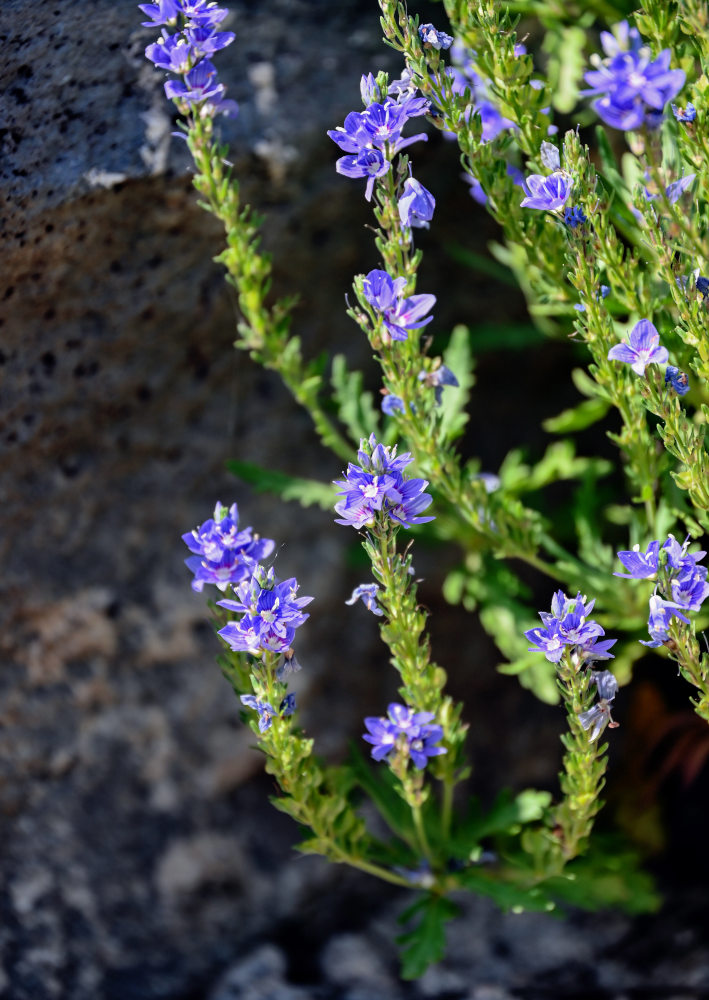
(139, 855)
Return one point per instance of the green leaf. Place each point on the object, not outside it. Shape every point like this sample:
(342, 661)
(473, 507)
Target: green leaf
(425, 943)
(507, 895)
(588, 412)
(566, 66)
(306, 491)
(609, 875)
(354, 405)
(458, 358)
(380, 787)
(504, 817)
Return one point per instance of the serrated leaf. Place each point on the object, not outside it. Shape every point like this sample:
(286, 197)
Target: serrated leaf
(587, 413)
(458, 358)
(425, 943)
(354, 406)
(306, 491)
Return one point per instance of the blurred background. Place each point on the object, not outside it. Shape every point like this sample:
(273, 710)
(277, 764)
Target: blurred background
(139, 855)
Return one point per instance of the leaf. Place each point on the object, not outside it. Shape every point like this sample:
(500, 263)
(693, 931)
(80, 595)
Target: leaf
(380, 787)
(503, 817)
(354, 405)
(566, 66)
(507, 895)
(558, 462)
(458, 358)
(306, 491)
(588, 412)
(425, 943)
(609, 875)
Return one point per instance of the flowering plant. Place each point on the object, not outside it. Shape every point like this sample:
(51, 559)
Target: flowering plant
(614, 253)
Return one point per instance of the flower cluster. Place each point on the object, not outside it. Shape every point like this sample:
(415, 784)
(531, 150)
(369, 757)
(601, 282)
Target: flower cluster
(223, 554)
(187, 52)
(377, 489)
(399, 315)
(682, 582)
(642, 348)
(271, 614)
(404, 734)
(631, 87)
(598, 716)
(371, 138)
(568, 627)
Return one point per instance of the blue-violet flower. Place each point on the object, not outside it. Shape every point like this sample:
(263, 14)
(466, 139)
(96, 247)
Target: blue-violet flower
(642, 349)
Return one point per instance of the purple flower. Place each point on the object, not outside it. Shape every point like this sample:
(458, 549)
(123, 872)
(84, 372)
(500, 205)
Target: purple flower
(574, 216)
(687, 114)
(661, 614)
(206, 41)
(271, 614)
(288, 664)
(369, 163)
(384, 294)
(162, 12)
(367, 592)
(677, 188)
(436, 39)
(173, 53)
(416, 205)
(576, 631)
(371, 137)
(288, 705)
(382, 124)
(202, 13)
(632, 88)
(369, 90)
(548, 193)
(642, 349)
(592, 650)
(597, 718)
(548, 641)
(641, 565)
(567, 626)
(437, 379)
(606, 684)
(378, 490)
(266, 711)
(393, 404)
(677, 380)
(404, 732)
(549, 156)
(690, 592)
(223, 554)
(702, 286)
